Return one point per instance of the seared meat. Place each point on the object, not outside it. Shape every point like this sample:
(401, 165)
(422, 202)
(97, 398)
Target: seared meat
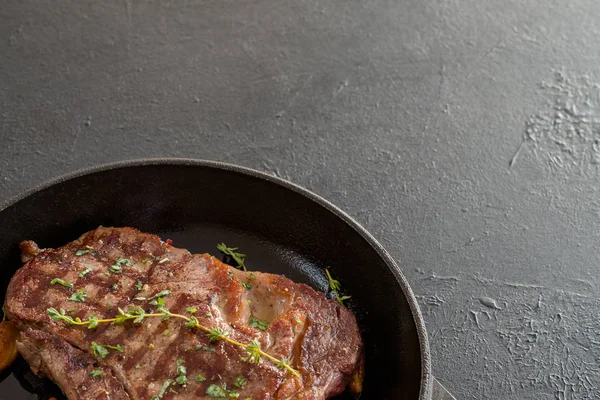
(113, 269)
(50, 355)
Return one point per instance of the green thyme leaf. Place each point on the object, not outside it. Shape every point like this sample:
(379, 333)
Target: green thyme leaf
(163, 390)
(79, 296)
(181, 373)
(335, 287)
(192, 323)
(158, 295)
(258, 323)
(283, 363)
(254, 352)
(217, 334)
(216, 391)
(141, 314)
(200, 378)
(54, 314)
(93, 322)
(117, 347)
(85, 272)
(191, 310)
(122, 317)
(96, 373)
(246, 286)
(99, 350)
(61, 282)
(117, 267)
(80, 253)
(240, 382)
(139, 285)
(123, 261)
(231, 252)
(205, 348)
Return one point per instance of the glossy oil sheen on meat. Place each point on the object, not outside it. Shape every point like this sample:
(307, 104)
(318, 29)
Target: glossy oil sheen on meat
(320, 337)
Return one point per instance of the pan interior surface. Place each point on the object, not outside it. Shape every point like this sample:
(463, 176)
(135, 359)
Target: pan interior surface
(281, 231)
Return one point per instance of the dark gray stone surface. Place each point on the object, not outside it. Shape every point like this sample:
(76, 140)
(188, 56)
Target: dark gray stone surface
(463, 134)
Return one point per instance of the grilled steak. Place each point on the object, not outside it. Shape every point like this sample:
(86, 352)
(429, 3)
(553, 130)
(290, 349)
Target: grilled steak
(121, 271)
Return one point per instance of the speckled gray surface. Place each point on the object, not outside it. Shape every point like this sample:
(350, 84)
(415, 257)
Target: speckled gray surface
(462, 134)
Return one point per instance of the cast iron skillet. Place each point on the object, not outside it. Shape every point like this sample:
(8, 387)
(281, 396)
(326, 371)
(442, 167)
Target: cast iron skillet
(281, 227)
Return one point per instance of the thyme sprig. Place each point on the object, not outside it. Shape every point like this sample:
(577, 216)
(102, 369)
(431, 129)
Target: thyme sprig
(214, 334)
(239, 258)
(335, 287)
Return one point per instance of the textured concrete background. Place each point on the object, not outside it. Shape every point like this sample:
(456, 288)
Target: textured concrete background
(464, 134)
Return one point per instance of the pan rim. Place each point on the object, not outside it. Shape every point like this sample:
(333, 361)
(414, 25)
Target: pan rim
(426, 376)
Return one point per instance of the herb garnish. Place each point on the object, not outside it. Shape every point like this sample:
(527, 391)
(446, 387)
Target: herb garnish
(216, 391)
(215, 334)
(239, 258)
(201, 347)
(58, 316)
(246, 286)
(117, 266)
(283, 363)
(163, 389)
(85, 272)
(96, 373)
(80, 253)
(240, 382)
(158, 295)
(200, 378)
(139, 285)
(181, 373)
(61, 282)
(102, 350)
(254, 352)
(117, 347)
(79, 296)
(258, 323)
(335, 287)
(138, 315)
(99, 350)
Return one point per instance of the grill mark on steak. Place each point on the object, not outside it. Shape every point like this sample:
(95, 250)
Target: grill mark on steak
(326, 349)
(49, 355)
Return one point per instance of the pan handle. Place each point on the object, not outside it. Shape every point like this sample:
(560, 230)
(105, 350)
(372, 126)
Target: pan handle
(439, 392)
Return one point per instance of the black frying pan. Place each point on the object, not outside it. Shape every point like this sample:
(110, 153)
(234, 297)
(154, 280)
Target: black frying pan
(281, 227)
